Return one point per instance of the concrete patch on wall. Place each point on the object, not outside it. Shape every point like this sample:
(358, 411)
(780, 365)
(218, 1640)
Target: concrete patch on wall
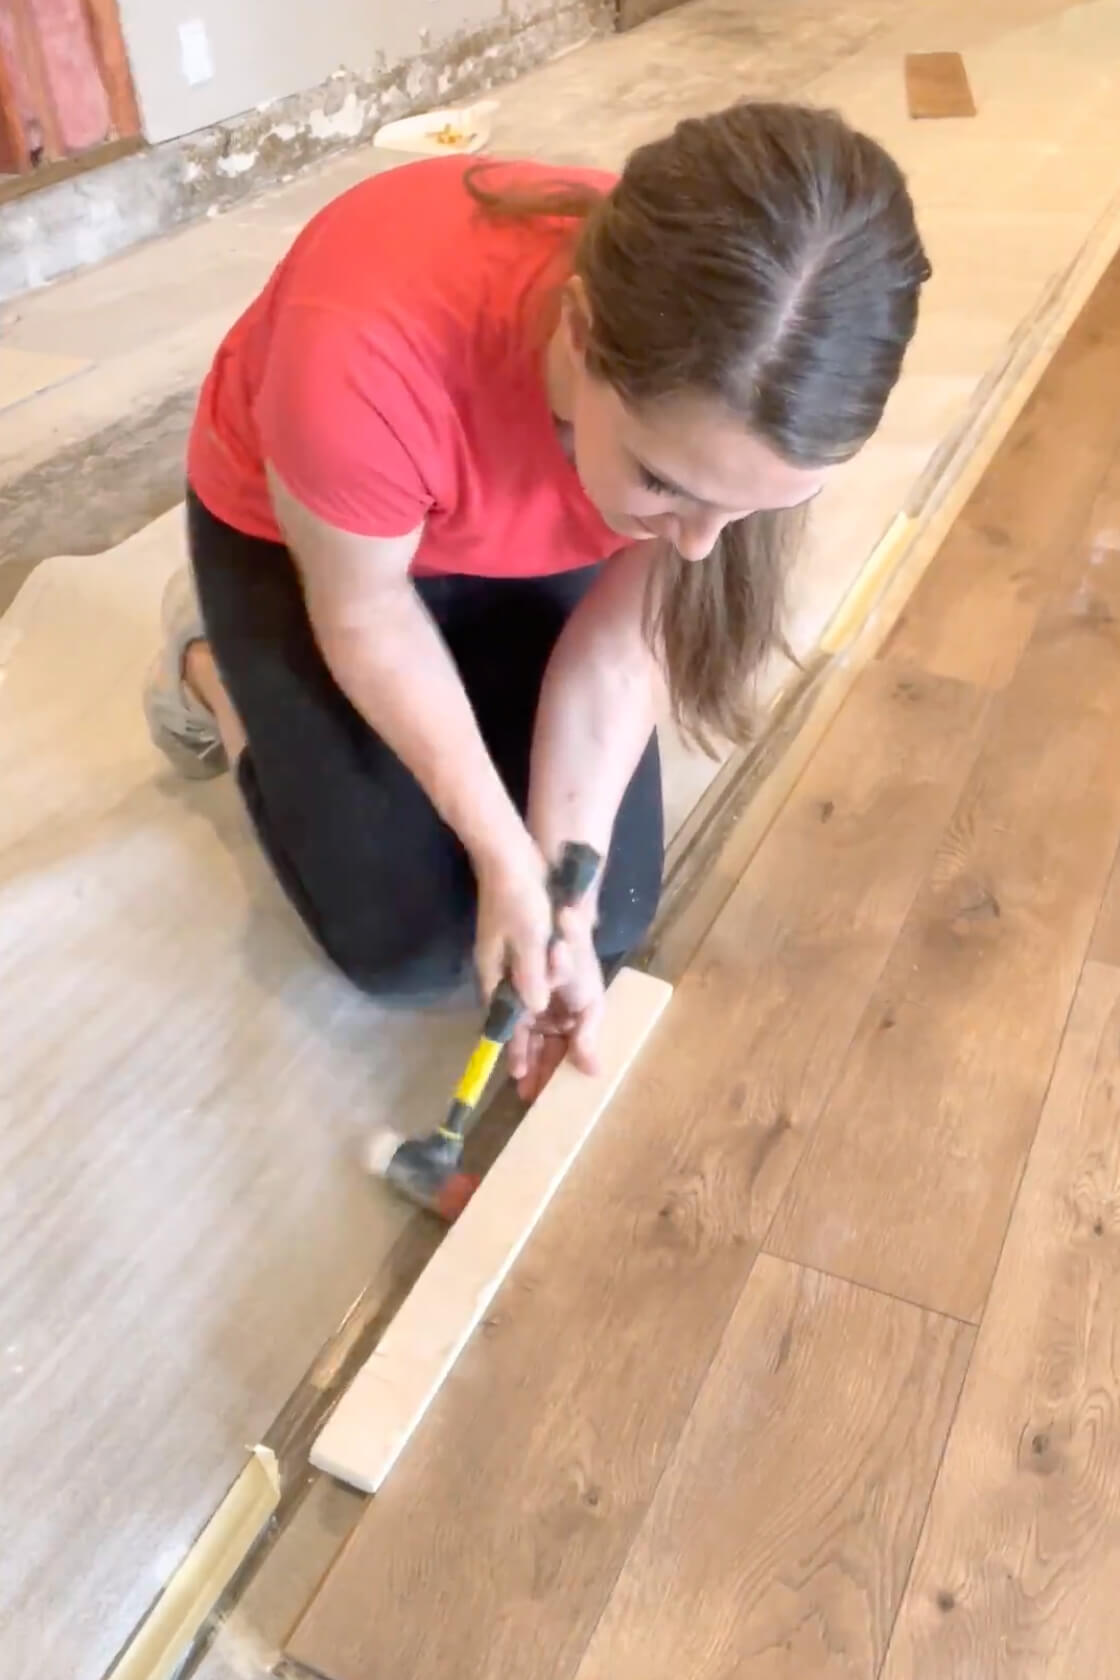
(65, 227)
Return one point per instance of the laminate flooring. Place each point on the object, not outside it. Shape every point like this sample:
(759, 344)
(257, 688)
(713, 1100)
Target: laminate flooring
(812, 1369)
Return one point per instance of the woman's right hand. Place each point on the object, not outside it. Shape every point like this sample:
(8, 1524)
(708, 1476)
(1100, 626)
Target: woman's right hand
(515, 926)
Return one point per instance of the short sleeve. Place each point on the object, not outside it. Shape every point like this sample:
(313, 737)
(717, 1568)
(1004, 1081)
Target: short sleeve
(343, 427)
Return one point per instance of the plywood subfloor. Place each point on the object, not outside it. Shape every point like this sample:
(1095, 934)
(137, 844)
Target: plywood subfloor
(811, 1369)
(23, 373)
(185, 1089)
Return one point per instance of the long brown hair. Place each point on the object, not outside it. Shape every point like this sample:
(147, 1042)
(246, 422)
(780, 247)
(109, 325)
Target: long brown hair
(767, 256)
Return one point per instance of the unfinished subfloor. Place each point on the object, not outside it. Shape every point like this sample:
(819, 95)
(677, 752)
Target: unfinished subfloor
(183, 1086)
(812, 1368)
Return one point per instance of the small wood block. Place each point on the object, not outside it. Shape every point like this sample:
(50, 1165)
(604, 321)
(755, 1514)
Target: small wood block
(365, 1433)
(937, 85)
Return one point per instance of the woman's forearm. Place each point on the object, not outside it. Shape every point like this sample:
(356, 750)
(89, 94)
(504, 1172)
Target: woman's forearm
(400, 676)
(388, 657)
(598, 707)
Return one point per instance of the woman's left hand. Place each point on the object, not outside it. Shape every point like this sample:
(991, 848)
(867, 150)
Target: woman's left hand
(570, 1024)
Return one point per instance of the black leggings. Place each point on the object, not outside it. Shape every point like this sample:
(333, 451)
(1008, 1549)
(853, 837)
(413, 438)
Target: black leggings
(381, 882)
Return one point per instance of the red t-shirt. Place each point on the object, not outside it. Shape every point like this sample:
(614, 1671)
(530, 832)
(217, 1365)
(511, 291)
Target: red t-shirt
(392, 372)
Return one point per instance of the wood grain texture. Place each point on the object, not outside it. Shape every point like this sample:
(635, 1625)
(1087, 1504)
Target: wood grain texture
(374, 1419)
(1018, 1570)
(974, 611)
(908, 1181)
(491, 1548)
(937, 85)
(1106, 936)
(780, 1538)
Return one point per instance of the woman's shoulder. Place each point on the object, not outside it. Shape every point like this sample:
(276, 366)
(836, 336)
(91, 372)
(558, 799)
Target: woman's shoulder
(414, 235)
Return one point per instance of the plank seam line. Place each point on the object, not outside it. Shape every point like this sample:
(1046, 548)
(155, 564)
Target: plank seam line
(1099, 917)
(980, 1322)
(670, 1460)
(871, 1288)
(920, 874)
(933, 1482)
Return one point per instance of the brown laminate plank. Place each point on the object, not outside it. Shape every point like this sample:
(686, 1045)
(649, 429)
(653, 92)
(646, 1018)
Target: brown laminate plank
(1018, 1570)
(492, 1547)
(937, 85)
(973, 613)
(780, 1538)
(908, 1181)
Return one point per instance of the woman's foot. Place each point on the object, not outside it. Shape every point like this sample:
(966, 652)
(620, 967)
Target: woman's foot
(181, 724)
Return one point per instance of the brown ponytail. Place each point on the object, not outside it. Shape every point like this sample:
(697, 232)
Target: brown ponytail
(766, 256)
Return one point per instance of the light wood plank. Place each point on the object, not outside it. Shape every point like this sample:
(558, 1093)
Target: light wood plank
(780, 1538)
(491, 1548)
(160, 1645)
(374, 1419)
(1106, 936)
(1018, 1571)
(937, 85)
(908, 1181)
(973, 613)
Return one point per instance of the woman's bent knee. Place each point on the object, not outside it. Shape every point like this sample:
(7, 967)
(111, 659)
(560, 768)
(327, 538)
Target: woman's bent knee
(427, 973)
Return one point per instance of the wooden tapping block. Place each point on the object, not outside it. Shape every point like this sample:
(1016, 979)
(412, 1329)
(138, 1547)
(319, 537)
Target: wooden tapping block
(937, 85)
(163, 1640)
(377, 1414)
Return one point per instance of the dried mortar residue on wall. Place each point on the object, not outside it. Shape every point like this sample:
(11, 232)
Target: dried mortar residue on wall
(64, 227)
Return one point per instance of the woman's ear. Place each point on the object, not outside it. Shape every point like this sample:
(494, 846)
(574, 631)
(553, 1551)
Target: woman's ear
(576, 316)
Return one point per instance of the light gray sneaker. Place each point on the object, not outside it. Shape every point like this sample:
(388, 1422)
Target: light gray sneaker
(180, 725)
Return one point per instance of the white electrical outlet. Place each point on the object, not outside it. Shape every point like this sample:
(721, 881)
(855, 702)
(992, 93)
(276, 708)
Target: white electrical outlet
(194, 52)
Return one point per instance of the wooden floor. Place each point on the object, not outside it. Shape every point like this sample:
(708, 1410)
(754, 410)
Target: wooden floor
(813, 1368)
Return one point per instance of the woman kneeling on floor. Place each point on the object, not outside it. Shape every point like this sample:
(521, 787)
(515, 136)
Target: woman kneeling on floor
(502, 457)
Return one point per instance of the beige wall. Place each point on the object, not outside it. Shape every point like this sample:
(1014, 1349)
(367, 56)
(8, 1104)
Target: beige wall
(264, 49)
